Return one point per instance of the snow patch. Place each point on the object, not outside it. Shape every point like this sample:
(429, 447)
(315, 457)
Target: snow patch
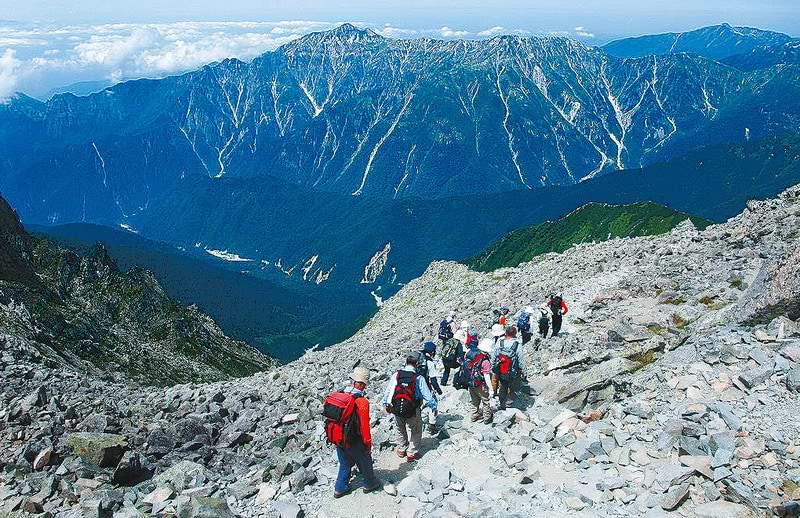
(228, 256)
(129, 228)
(376, 264)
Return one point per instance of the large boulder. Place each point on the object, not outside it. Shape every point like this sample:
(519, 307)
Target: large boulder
(775, 292)
(204, 507)
(101, 449)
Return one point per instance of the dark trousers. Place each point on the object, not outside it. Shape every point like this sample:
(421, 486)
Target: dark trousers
(503, 389)
(446, 375)
(356, 455)
(526, 337)
(557, 324)
(544, 326)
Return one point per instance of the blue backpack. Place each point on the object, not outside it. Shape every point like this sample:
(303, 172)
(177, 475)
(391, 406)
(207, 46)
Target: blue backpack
(524, 322)
(445, 333)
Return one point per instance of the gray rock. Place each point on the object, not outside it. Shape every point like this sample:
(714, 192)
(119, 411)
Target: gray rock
(100, 449)
(793, 380)
(722, 509)
(755, 377)
(132, 469)
(204, 507)
(674, 497)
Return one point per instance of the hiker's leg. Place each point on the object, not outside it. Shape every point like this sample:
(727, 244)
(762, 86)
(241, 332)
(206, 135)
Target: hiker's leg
(475, 398)
(556, 324)
(363, 460)
(415, 424)
(402, 433)
(503, 393)
(483, 394)
(495, 381)
(345, 467)
(446, 375)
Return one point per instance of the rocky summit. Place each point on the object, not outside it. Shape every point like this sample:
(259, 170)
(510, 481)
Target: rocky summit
(671, 392)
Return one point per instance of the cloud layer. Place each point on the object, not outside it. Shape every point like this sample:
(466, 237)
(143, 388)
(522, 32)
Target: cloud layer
(39, 58)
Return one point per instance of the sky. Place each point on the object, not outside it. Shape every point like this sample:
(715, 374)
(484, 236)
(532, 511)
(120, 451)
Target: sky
(47, 44)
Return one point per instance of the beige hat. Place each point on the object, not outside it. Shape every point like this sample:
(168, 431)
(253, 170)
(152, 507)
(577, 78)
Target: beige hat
(498, 330)
(486, 345)
(360, 374)
(461, 336)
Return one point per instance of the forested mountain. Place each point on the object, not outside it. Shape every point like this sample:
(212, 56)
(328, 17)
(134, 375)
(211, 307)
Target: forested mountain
(592, 222)
(81, 311)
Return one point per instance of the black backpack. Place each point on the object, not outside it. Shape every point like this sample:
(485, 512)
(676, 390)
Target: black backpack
(404, 402)
(445, 333)
(555, 305)
(422, 368)
(450, 353)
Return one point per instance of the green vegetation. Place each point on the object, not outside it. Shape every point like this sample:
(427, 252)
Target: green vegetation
(590, 223)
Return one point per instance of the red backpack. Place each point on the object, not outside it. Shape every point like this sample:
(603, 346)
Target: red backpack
(404, 403)
(341, 419)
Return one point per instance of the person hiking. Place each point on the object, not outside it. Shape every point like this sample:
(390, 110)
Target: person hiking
(347, 426)
(508, 364)
(559, 308)
(500, 316)
(477, 369)
(472, 339)
(426, 366)
(524, 324)
(452, 354)
(446, 328)
(544, 319)
(498, 331)
(405, 395)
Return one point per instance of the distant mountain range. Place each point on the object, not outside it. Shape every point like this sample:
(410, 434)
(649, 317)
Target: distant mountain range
(81, 311)
(592, 222)
(716, 42)
(350, 112)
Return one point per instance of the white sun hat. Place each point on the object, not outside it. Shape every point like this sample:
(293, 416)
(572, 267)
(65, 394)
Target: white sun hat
(498, 330)
(486, 345)
(461, 336)
(528, 309)
(464, 325)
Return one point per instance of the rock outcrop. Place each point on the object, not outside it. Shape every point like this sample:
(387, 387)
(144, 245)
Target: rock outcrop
(662, 395)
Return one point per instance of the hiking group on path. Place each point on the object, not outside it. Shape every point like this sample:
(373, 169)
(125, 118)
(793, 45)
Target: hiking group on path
(488, 368)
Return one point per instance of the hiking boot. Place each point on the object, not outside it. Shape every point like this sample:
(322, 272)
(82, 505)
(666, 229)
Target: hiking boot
(433, 429)
(347, 491)
(476, 418)
(378, 485)
(400, 453)
(412, 458)
(488, 421)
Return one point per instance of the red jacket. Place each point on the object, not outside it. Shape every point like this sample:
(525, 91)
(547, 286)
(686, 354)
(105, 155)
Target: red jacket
(362, 410)
(564, 307)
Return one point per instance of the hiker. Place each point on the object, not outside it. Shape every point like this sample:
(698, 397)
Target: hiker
(508, 364)
(452, 354)
(472, 339)
(477, 368)
(405, 395)
(426, 366)
(559, 308)
(347, 426)
(498, 331)
(544, 319)
(446, 327)
(524, 324)
(500, 316)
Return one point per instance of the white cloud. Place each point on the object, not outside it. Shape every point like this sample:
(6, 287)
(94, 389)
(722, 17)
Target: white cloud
(447, 32)
(388, 31)
(9, 70)
(494, 31)
(582, 32)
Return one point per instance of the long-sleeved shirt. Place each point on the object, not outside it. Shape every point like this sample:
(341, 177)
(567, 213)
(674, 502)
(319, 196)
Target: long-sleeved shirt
(362, 411)
(562, 310)
(520, 354)
(421, 392)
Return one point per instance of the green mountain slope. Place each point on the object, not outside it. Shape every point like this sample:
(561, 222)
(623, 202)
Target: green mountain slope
(591, 222)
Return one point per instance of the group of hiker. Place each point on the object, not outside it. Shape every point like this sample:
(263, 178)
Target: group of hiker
(489, 367)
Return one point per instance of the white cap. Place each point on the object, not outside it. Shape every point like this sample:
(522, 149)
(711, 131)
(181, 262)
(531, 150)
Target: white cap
(486, 345)
(528, 309)
(452, 314)
(461, 336)
(498, 330)
(464, 325)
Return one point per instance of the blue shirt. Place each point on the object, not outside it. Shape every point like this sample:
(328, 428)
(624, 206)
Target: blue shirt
(421, 392)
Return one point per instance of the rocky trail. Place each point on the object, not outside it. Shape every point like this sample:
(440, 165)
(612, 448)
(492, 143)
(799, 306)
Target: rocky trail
(672, 392)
